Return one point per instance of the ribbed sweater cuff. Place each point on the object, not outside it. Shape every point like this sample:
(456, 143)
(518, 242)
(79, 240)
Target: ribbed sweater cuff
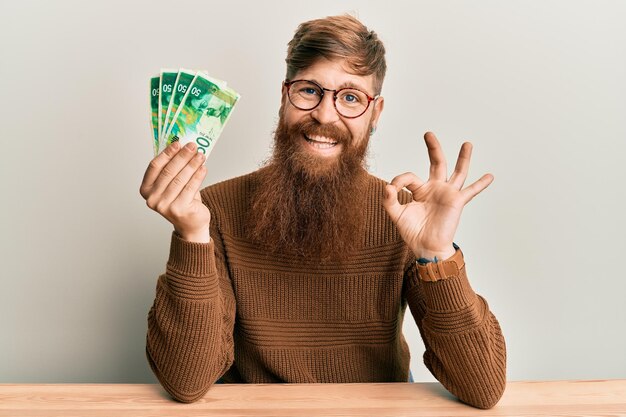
(191, 270)
(451, 294)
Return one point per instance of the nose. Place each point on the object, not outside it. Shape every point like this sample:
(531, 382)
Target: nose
(325, 112)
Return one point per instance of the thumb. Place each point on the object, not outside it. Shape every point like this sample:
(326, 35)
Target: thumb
(391, 203)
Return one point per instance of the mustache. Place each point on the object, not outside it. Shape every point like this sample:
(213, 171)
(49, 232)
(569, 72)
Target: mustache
(313, 128)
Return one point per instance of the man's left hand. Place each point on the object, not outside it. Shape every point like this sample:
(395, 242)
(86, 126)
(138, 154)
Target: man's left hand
(428, 223)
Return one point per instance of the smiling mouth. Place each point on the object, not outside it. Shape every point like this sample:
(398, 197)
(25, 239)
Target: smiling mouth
(320, 142)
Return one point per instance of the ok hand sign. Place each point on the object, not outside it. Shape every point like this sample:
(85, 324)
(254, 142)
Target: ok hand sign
(428, 223)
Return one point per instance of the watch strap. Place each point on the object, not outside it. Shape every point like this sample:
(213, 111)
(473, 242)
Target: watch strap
(442, 269)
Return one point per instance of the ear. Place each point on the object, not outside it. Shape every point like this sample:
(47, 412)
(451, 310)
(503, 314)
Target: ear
(379, 104)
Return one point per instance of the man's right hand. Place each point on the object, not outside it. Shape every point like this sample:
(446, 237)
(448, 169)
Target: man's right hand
(171, 187)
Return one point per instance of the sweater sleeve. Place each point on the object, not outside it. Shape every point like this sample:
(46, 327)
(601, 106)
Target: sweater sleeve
(189, 344)
(465, 348)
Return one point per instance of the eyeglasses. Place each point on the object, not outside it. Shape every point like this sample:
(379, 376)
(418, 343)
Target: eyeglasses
(307, 95)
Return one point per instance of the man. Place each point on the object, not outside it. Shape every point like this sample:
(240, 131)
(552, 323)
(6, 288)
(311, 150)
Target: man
(301, 271)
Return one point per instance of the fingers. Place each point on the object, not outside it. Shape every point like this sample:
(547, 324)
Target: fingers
(391, 203)
(173, 177)
(155, 167)
(408, 180)
(474, 189)
(462, 166)
(190, 191)
(182, 179)
(438, 168)
(171, 169)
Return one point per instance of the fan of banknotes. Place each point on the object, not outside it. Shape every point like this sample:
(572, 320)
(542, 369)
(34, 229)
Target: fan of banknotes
(189, 106)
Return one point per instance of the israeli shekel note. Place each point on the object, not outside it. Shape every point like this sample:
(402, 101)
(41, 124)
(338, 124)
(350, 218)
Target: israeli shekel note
(183, 80)
(203, 114)
(168, 78)
(154, 108)
(177, 97)
(167, 107)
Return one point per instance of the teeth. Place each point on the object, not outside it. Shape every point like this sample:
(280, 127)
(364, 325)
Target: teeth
(322, 139)
(319, 145)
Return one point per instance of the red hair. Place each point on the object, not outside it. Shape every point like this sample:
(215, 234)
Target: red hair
(337, 37)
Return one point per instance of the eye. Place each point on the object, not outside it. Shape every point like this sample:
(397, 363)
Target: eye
(351, 97)
(310, 91)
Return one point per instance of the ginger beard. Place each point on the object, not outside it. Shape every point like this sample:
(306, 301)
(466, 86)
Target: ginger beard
(310, 205)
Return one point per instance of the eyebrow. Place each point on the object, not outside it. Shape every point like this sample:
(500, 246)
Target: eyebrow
(347, 84)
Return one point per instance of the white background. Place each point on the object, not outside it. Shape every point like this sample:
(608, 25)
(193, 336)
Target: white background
(537, 86)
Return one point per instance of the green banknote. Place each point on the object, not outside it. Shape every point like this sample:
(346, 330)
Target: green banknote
(154, 107)
(203, 113)
(184, 79)
(168, 79)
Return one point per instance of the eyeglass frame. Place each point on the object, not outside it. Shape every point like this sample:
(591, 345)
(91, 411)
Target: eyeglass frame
(288, 83)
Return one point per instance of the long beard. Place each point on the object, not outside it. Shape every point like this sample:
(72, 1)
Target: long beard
(306, 205)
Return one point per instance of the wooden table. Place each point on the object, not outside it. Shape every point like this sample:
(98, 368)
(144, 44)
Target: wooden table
(559, 398)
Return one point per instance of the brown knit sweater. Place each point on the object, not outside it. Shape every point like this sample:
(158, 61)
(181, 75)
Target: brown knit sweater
(229, 309)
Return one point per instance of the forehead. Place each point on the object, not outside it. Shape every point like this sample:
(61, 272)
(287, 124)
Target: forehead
(335, 74)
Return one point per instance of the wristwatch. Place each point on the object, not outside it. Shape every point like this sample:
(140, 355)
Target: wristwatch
(432, 271)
